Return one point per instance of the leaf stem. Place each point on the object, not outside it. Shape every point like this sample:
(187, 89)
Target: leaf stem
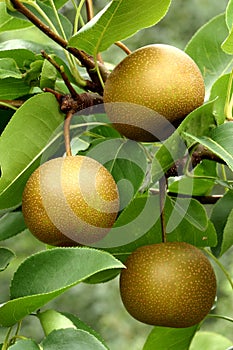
(162, 198)
(226, 273)
(226, 318)
(123, 47)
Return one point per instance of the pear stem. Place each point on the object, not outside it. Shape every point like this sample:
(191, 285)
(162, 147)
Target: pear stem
(67, 121)
(162, 198)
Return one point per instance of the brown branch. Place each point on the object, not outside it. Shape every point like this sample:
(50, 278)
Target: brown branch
(60, 69)
(66, 129)
(86, 60)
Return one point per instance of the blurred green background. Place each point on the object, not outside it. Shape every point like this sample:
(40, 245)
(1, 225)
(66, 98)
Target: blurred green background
(100, 305)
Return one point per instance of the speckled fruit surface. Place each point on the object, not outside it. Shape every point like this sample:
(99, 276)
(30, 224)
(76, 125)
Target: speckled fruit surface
(169, 284)
(69, 201)
(152, 90)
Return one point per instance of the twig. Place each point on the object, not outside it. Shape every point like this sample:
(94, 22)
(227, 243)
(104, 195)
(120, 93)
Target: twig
(60, 69)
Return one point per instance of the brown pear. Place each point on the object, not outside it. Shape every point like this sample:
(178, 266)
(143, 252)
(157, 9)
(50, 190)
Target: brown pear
(70, 201)
(168, 284)
(151, 91)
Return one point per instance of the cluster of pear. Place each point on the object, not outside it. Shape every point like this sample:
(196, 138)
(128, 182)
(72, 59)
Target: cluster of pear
(74, 200)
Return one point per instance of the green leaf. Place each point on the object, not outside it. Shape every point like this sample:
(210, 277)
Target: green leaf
(47, 274)
(114, 23)
(219, 217)
(7, 22)
(6, 255)
(22, 57)
(228, 42)
(199, 122)
(193, 185)
(219, 142)
(127, 162)
(11, 224)
(12, 88)
(219, 94)
(164, 338)
(210, 341)
(205, 49)
(25, 344)
(79, 324)
(52, 320)
(48, 75)
(8, 68)
(227, 240)
(33, 124)
(139, 224)
(72, 339)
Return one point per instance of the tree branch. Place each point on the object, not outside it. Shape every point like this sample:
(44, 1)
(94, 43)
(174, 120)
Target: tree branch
(86, 60)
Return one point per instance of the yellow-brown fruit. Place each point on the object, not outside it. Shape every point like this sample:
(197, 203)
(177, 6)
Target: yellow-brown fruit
(70, 201)
(151, 91)
(168, 284)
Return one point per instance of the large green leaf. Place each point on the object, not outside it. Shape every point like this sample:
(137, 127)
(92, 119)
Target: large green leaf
(72, 339)
(205, 49)
(116, 22)
(47, 274)
(163, 338)
(219, 142)
(23, 142)
(199, 122)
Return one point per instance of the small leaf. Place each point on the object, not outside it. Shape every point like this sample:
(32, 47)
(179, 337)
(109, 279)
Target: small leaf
(72, 339)
(8, 68)
(227, 44)
(163, 338)
(12, 88)
(219, 217)
(11, 224)
(48, 75)
(219, 94)
(33, 123)
(52, 319)
(47, 274)
(7, 22)
(6, 255)
(227, 240)
(25, 344)
(113, 23)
